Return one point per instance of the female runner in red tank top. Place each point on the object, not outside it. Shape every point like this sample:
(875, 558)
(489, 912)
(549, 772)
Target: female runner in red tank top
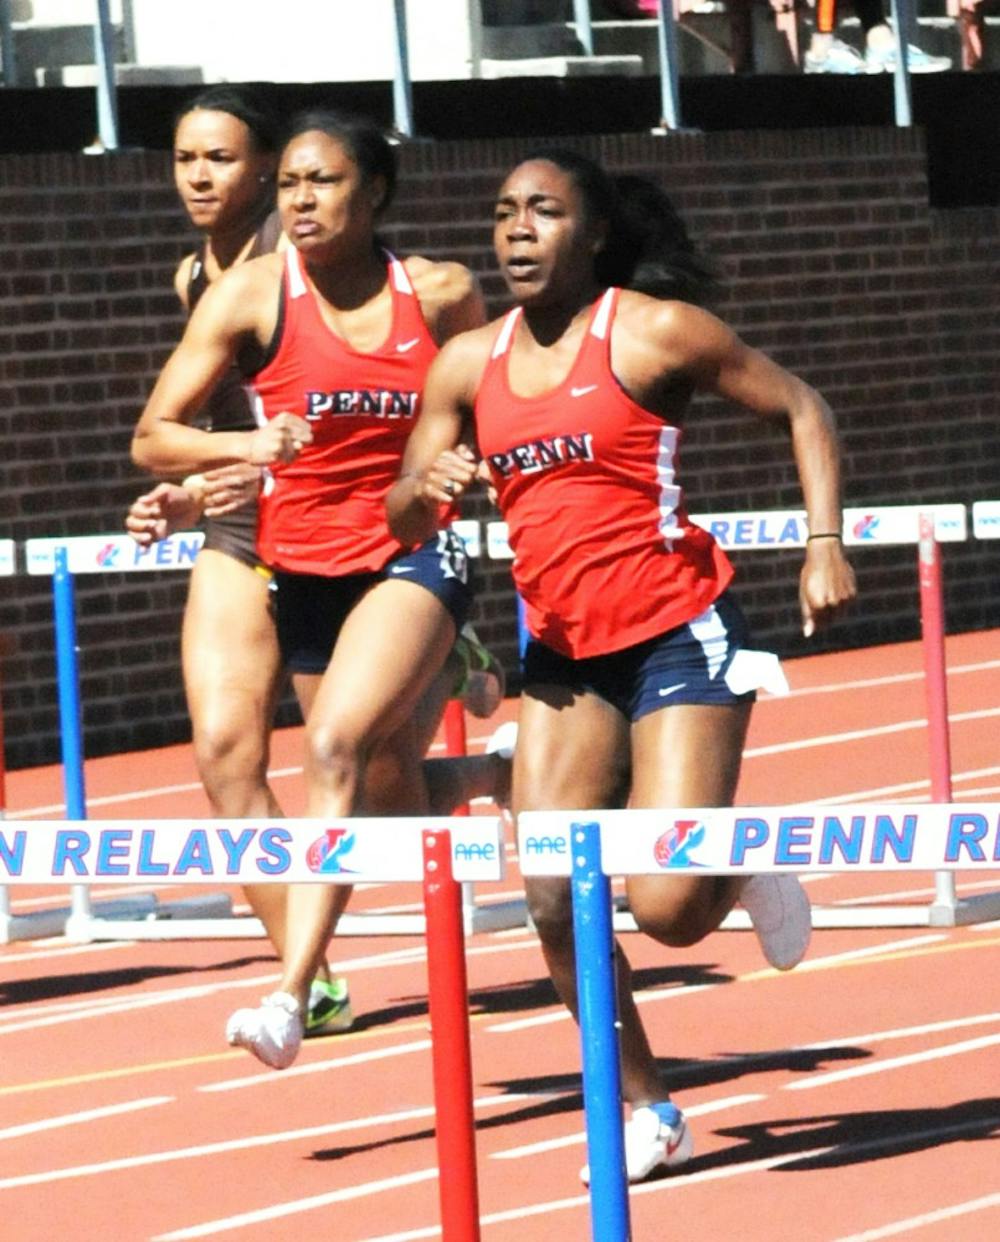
(336, 338)
(637, 675)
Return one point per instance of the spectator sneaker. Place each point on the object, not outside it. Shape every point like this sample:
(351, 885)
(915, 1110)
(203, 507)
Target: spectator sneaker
(779, 911)
(272, 1031)
(883, 60)
(482, 683)
(329, 1008)
(656, 1137)
(838, 57)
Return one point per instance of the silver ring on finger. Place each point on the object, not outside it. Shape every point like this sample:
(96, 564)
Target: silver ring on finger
(449, 486)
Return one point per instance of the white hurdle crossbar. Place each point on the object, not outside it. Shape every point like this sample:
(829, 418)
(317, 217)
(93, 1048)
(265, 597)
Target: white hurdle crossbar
(244, 851)
(939, 837)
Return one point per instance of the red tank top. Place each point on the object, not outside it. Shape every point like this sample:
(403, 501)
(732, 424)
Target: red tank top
(604, 553)
(324, 513)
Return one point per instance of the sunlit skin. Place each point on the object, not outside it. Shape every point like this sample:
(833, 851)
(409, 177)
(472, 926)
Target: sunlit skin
(328, 209)
(220, 175)
(372, 715)
(543, 242)
(574, 749)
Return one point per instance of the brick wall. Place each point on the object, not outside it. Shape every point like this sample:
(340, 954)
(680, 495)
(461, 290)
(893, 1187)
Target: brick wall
(833, 262)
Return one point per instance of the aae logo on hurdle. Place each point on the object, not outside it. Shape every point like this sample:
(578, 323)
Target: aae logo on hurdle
(243, 851)
(768, 839)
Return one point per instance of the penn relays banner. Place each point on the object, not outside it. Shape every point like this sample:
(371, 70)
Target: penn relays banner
(285, 851)
(769, 839)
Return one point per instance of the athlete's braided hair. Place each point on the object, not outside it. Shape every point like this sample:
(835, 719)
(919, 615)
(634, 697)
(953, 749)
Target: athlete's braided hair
(647, 247)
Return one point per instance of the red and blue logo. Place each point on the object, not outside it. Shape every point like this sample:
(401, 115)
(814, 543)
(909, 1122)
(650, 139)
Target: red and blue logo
(866, 527)
(107, 557)
(672, 850)
(324, 857)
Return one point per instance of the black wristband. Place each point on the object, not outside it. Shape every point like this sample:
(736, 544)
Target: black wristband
(828, 535)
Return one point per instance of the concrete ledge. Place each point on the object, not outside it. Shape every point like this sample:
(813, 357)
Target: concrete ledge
(563, 67)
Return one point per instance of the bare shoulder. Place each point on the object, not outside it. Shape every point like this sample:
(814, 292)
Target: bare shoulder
(671, 332)
(460, 365)
(449, 296)
(440, 281)
(257, 278)
(663, 317)
(242, 301)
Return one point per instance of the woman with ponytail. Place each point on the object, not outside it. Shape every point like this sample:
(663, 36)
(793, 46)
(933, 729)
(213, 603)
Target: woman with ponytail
(638, 674)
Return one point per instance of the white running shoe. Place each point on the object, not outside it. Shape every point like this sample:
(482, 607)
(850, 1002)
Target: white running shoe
(656, 1137)
(272, 1031)
(503, 740)
(503, 743)
(780, 913)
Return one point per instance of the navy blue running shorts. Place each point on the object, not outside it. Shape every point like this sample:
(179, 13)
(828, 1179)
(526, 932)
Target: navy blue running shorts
(687, 664)
(310, 610)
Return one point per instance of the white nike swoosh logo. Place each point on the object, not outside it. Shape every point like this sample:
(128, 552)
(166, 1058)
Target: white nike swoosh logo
(404, 346)
(402, 569)
(665, 690)
(582, 392)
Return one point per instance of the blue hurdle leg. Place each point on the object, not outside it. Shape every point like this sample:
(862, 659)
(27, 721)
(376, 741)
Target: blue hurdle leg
(70, 714)
(602, 1089)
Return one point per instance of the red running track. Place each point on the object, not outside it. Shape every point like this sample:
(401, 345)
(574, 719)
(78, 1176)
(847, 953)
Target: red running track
(854, 1098)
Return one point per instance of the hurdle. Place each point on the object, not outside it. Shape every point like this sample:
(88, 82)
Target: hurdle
(926, 526)
(735, 532)
(208, 916)
(441, 853)
(40, 922)
(589, 847)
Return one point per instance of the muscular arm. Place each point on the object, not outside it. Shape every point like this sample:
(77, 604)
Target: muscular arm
(241, 305)
(699, 346)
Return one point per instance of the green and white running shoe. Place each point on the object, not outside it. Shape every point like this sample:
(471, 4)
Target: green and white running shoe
(329, 1007)
(481, 685)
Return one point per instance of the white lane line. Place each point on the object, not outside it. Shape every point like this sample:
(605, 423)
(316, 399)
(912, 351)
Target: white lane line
(572, 1140)
(92, 1114)
(777, 748)
(27, 1018)
(163, 791)
(856, 735)
(872, 899)
(661, 994)
(317, 1067)
(244, 1144)
(27, 904)
(891, 1063)
(892, 679)
(903, 1032)
(872, 950)
(103, 1009)
(562, 1014)
(297, 1205)
(679, 1181)
(59, 949)
(928, 1218)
